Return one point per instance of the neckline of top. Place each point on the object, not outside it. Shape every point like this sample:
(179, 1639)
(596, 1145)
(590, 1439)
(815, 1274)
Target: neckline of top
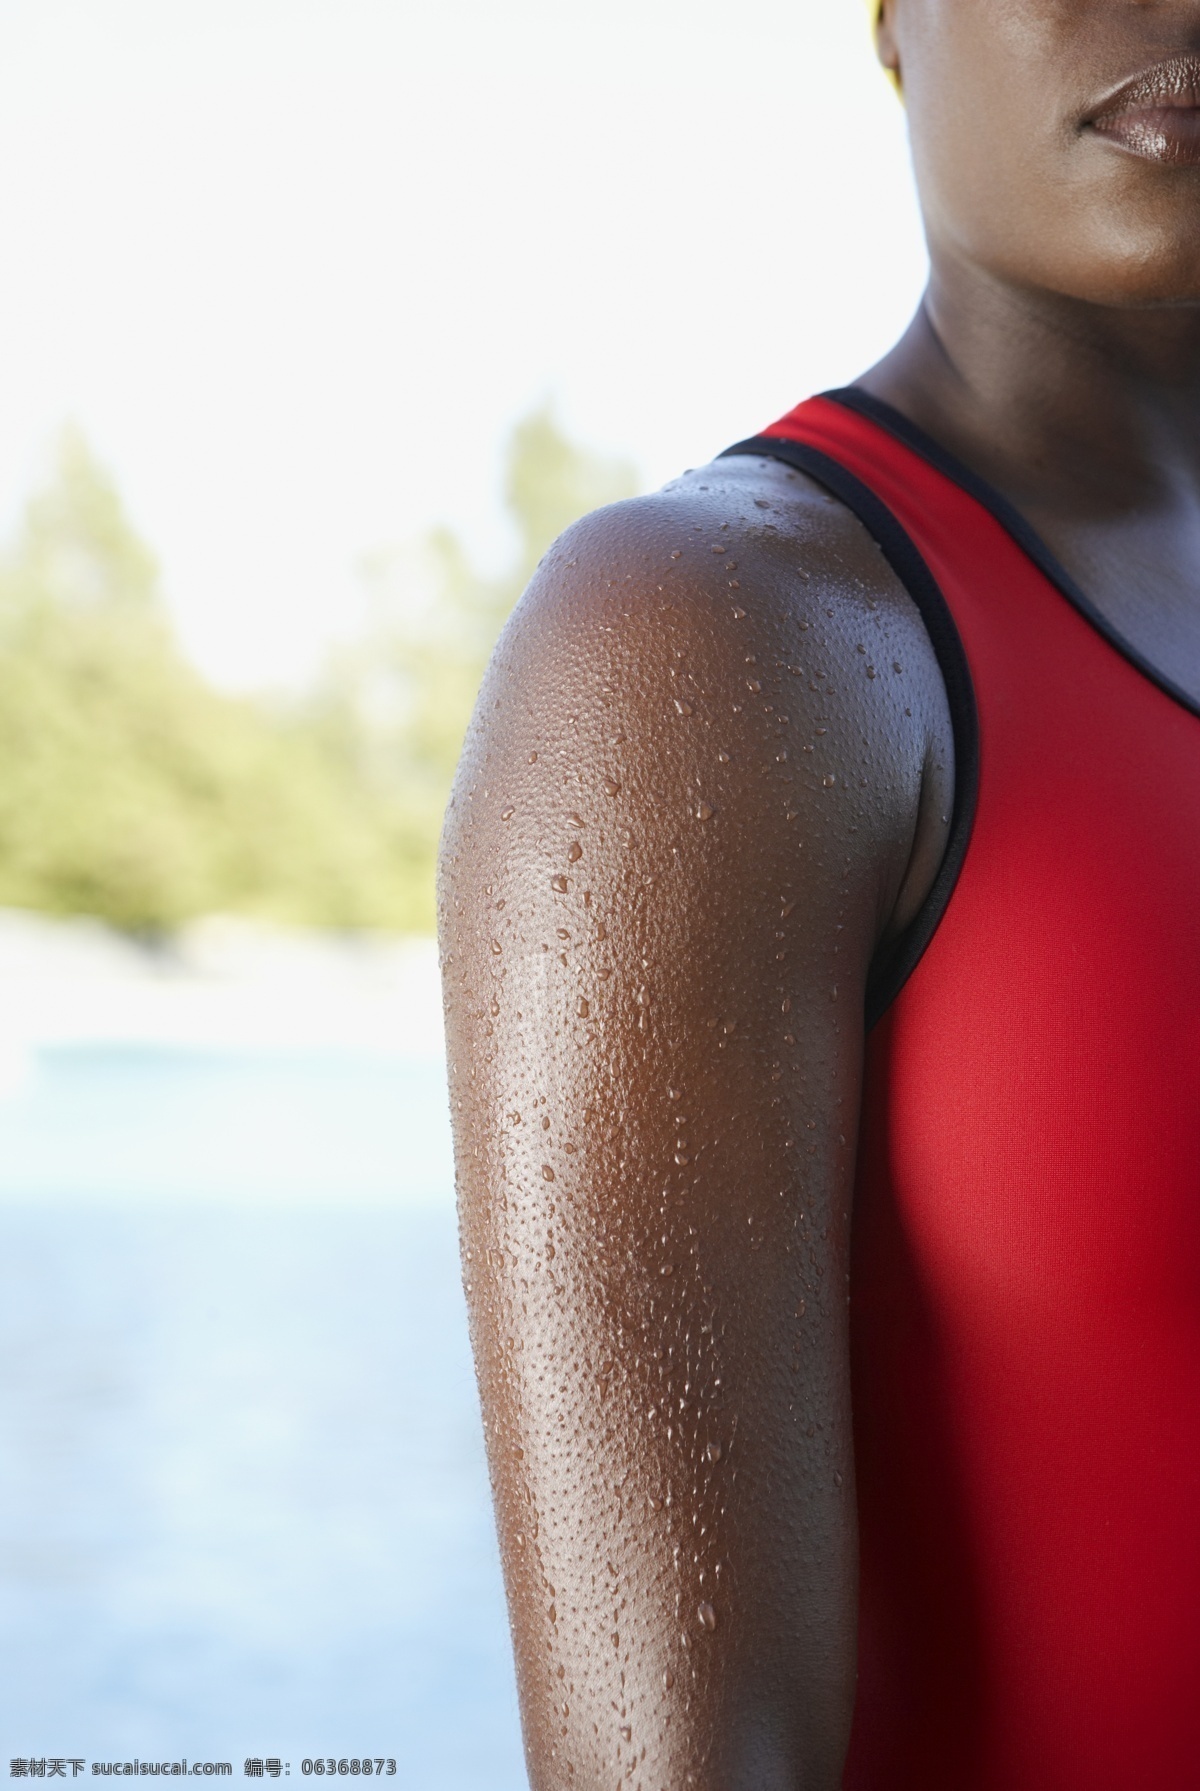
(879, 411)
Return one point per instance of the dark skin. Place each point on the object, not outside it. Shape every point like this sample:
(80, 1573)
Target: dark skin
(708, 776)
(1057, 350)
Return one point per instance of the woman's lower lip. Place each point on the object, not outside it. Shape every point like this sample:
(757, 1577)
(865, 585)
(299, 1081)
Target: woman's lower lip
(1156, 133)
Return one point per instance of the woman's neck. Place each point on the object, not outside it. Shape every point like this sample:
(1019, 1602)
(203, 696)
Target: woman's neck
(1070, 409)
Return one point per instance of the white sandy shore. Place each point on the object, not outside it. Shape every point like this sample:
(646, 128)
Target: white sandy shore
(223, 984)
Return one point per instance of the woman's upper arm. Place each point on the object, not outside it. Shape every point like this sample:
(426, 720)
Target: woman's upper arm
(681, 820)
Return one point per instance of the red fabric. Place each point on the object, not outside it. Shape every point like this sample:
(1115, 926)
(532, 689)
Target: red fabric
(1026, 1271)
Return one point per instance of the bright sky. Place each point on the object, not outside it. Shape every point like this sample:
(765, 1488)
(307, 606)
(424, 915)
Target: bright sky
(295, 266)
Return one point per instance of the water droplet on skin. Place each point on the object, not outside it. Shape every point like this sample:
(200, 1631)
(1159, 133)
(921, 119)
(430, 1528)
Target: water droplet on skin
(601, 930)
(668, 1679)
(559, 884)
(678, 554)
(829, 782)
(753, 684)
(533, 758)
(837, 1478)
(705, 811)
(553, 1614)
(786, 910)
(496, 947)
(682, 708)
(668, 1268)
(551, 1252)
(738, 613)
(495, 1009)
(508, 814)
(626, 1732)
(707, 1616)
(583, 1010)
(713, 1452)
(611, 787)
(547, 1173)
(574, 852)
(682, 1158)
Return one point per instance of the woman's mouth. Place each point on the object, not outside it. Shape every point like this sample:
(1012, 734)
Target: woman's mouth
(1156, 115)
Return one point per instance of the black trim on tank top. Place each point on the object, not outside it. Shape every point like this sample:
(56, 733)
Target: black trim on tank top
(894, 964)
(877, 410)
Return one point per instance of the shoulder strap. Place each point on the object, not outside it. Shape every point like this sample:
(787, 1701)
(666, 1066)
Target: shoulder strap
(895, 963)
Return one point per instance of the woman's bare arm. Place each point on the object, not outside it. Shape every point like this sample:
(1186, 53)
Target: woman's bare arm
(695, 795)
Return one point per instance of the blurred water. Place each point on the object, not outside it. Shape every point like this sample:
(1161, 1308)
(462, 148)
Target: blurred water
(243, 1506)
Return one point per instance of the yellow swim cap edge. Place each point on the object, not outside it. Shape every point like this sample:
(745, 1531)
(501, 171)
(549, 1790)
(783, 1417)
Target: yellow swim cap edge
(874, 8)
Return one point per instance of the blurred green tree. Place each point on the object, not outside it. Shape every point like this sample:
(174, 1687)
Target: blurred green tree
(398, 702)
(132, 790)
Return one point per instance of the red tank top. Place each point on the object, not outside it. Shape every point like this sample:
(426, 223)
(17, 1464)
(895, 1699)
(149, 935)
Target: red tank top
(1026, 1258)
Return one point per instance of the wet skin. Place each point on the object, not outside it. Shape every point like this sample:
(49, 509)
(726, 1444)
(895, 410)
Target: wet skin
(696, 795)
(707, 776)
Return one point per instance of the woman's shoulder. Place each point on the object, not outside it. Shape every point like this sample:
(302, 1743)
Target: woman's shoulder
(735, 643)
(742, 589)
(745, 540)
